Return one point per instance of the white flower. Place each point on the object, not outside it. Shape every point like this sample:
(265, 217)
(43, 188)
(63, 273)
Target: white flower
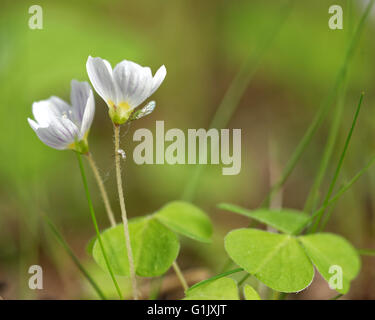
(125, 87)
(62, 126)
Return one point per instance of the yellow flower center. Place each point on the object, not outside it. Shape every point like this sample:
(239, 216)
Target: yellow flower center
(120, 112)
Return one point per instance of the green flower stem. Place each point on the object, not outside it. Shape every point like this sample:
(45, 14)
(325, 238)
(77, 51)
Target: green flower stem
(123, 211)
(69, 251)
(101, 186)
(180, 276)
(234, 94)
(339, 166)
(325, 107)
(93, 217)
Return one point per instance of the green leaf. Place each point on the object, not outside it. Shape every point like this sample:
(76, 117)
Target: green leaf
(155, 247)
(284, 220)
(326, 250)
(250, 293)
(277, 260)
(220, 289)
(186, 219)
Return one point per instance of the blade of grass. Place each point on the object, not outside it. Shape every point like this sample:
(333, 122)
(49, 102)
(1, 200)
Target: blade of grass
(367, 252)
(234, 94)
(93, 217)
(245, 277)
(221, 275)
(76, 261)
(339, 166)
(325, 107)
(341, 191)
(313, 196)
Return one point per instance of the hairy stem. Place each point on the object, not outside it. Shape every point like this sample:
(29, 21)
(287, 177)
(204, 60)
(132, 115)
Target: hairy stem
(93, 217)
(123, 211)
(180, 275)
(103, 192)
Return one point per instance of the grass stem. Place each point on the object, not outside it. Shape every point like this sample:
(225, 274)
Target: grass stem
(76, 261)
(221, 275)
(325, 107)
(339, 166)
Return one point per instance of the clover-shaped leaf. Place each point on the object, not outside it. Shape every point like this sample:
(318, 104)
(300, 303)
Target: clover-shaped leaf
(334, 257)
(186, 219)
(155, 247)
(277, 260)
(284, 220)
(250, 293)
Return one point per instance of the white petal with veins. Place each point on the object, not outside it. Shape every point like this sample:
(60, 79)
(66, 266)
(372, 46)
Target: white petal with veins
(60, 125)
(100, 74)
(128, 83)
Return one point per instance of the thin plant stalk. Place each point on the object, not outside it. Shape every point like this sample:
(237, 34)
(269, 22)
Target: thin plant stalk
(341, 191)
(180, 276)
(313, 196)
(367, 252)
(123, 211)
(76, 261)
(325, 107)
(93, 217)
(101, 186)
(221, 275)
(339, 165)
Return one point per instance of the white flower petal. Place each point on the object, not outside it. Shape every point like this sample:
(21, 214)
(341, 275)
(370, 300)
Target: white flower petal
(144, 88)
(59, 107)
(79, 94)
(48, 137)
(41, 112)
(158, 79)
(88, 115)
(133, 82)
(44, 111)
(99, 72)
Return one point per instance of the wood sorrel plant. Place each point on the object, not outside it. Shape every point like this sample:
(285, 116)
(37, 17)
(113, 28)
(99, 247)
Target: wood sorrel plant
(62, 126)
(147, 246)
(123, 89)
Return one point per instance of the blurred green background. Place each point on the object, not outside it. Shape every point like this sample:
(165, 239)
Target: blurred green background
(203, 45)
